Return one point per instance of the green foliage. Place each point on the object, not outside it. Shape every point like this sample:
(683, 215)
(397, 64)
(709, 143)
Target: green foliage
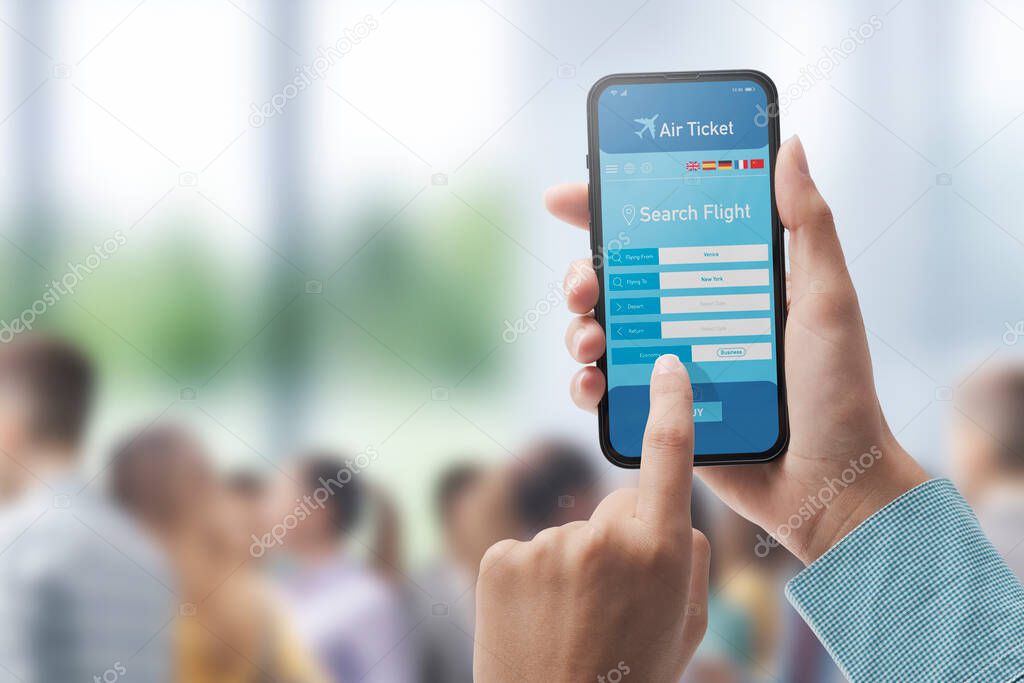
(430, 288)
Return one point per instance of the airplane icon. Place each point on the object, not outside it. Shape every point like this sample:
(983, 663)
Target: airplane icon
(648, 126)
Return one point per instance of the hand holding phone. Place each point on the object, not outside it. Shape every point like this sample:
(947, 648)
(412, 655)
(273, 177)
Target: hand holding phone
(839, 433)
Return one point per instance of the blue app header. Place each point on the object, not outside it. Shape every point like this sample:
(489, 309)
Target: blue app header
(681, 116)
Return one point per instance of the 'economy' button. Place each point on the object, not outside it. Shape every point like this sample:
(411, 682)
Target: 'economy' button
(646, 355)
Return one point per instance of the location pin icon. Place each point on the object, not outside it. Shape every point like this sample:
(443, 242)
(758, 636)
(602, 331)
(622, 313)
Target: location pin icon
(629, 213)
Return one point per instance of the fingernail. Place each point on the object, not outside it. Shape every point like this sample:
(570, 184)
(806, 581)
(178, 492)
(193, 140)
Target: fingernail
(577, 339)
(799, 155)
(666, 364)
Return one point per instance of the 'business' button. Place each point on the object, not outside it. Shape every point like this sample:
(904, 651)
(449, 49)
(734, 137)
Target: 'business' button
(705, 353)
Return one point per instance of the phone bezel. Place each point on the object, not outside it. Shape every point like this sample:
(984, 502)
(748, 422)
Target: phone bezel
(778, 260)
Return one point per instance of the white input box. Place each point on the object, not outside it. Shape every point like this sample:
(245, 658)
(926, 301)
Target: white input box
(696, 279)
(706, 353)
(724, 254)
(740, 327)
(722, 303)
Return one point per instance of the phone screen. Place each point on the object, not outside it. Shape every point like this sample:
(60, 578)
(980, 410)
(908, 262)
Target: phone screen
(688, 250)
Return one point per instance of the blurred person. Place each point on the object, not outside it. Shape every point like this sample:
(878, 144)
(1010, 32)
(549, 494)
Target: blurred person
(718, 658)
(490, 505)
(988, 455)
(725, 655)
(748, 576)
(229, 628)
(386, 542)
(553, 483)
(348, 612)
(901, 582)
(549, 483)
(249, 492)
(446, 653)
(802, 659)
(751, 581)
(83, 593)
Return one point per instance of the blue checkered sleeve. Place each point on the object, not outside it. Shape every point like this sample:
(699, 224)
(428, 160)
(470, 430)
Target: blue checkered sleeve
(916, 593)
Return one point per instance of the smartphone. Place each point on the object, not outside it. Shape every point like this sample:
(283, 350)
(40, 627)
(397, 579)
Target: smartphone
(688, 249)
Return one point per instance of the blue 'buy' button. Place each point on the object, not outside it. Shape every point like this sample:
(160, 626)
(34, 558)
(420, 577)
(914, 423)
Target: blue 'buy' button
(707, 411)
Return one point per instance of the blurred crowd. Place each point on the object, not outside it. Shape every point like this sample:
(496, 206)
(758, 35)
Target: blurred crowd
(163, 567)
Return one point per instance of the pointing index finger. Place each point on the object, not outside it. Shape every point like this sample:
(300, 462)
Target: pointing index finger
(666, 461)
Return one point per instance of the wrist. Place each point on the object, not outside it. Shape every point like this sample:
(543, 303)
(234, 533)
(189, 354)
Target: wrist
(871, 486)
